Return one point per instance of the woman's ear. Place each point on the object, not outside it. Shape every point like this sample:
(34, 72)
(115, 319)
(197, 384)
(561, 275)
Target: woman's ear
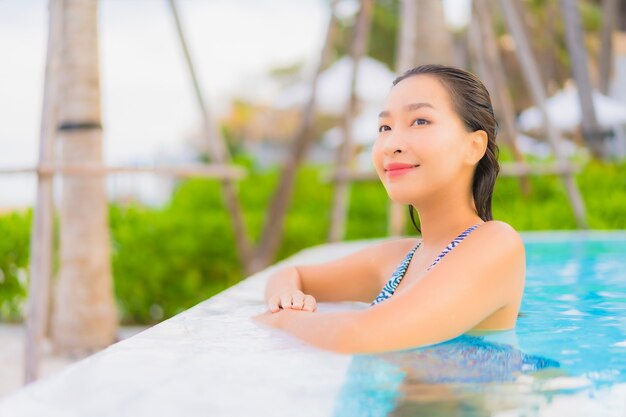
(477, 146)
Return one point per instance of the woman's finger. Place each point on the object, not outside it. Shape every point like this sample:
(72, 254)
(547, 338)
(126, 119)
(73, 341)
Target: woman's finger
(285, 301)
(309, 303)
(272, 304)
(297, 300)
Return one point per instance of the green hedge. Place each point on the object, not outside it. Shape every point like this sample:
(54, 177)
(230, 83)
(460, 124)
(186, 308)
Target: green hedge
(167, 259)
(14, 249)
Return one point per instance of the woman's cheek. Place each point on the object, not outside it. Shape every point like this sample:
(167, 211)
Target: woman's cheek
(377, 159)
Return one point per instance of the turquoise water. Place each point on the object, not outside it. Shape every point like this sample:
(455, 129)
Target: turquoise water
(567, 355)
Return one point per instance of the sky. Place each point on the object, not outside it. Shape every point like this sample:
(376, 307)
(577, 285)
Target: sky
(148, 106)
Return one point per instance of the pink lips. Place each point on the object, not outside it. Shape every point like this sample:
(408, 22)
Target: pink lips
(398, 168)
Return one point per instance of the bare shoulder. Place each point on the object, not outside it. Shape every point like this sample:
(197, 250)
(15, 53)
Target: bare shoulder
(506, 258)
(503, 233)
(478, 285)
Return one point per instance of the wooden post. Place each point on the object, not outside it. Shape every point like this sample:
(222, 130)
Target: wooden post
(219, 153)
(271, 235)
(41, 234)
(341, 196)
(495, 78)
(578, 57)
(531, 74)
(85, 315)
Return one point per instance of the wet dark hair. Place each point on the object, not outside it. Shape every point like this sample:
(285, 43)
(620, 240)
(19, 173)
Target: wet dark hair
(472, 103)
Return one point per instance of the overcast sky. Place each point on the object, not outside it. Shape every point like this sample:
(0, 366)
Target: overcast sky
(148, 103)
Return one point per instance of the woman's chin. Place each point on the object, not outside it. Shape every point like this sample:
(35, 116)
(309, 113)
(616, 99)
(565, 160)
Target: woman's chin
(399, 195)
(401, 199)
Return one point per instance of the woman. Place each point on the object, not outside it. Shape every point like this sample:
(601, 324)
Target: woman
(436, 152)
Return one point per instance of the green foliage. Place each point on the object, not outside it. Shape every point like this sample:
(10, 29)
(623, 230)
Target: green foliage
(14, 250)
(383, 33)
(604, 192)
(369, 207)
(167, 259)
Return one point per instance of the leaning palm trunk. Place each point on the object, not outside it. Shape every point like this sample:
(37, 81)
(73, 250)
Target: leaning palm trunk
(345, 152)
(272, 233)
(84, 316)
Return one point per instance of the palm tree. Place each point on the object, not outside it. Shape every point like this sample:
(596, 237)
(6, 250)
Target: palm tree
(434, 40)
(84, 318)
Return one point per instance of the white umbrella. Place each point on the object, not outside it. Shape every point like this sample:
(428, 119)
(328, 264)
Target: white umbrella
(364, 129)
(564, 111)
(530, 145)
(373, 84)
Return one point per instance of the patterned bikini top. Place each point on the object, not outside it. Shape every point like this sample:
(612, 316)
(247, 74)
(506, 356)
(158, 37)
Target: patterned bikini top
(396, 277)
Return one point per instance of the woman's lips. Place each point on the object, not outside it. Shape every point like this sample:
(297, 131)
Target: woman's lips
(392, 173)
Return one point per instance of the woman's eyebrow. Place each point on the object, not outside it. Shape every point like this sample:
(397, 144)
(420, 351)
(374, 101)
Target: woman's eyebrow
(408, 107)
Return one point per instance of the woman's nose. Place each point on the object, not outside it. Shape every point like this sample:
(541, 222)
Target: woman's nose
(393, 144)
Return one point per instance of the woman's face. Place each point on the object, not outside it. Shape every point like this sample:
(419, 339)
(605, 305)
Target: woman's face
(420, 129)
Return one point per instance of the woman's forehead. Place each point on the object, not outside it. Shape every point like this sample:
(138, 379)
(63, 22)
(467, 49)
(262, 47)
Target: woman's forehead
(418, 89)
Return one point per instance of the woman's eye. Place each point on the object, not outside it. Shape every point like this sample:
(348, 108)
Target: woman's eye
(383, 128)
(420, 120)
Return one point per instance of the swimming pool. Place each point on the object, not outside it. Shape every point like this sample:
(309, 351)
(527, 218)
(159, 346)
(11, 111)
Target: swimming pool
(567, 355)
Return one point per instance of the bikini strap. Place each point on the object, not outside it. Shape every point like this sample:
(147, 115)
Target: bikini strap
(453, 244)
(393, 282)
(396, 277)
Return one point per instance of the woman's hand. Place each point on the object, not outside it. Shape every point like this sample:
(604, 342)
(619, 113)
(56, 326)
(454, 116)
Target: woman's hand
(295, 300)
(267, 318)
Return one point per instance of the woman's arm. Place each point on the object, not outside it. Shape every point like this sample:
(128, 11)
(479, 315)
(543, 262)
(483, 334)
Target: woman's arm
(354, 277)
(323, 330)
(481, 275)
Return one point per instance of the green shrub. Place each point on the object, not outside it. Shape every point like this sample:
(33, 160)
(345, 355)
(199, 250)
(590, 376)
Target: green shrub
(14, 250)
(164, 261)
(167, 259)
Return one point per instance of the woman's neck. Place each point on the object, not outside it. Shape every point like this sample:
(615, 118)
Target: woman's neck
(443, 218)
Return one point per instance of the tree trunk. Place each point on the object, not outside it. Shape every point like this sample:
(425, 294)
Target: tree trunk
(341, 195)
(496, 80)
(85, 318)
(578, 56)
(609, 11)
(530, 70)
(621, 16)
(549, 60)
(219, 154)
(434, 40)
(272, 233)
(406, 58)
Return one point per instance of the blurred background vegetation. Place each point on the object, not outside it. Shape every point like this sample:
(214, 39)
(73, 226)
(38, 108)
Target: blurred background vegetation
(168, 258)
(163, 256)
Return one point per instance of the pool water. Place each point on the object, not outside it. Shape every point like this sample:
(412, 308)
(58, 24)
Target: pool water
(566, 356)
